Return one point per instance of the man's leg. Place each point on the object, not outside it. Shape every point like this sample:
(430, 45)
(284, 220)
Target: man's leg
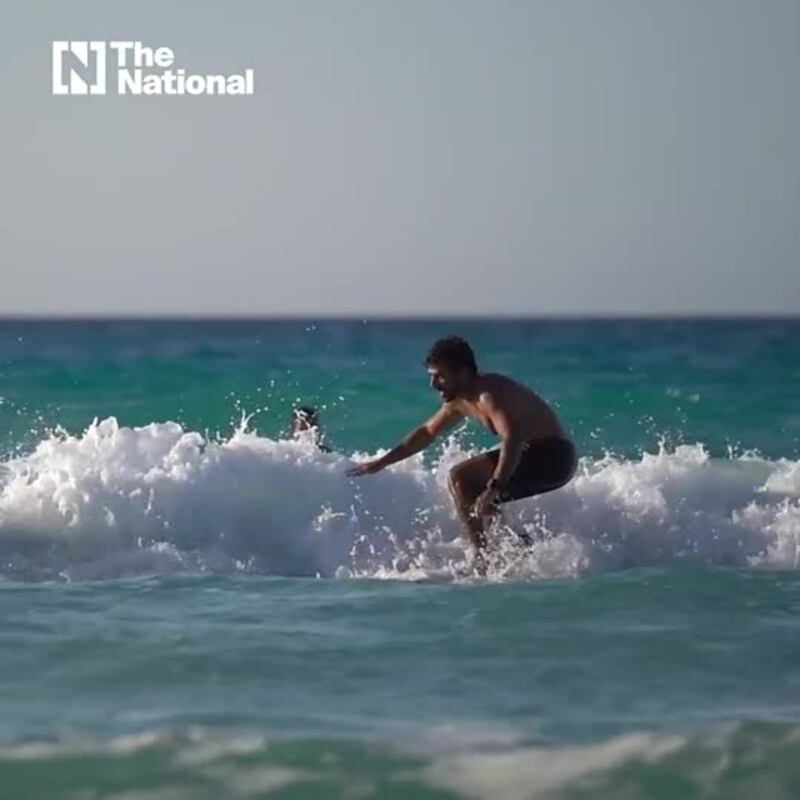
(466, 482)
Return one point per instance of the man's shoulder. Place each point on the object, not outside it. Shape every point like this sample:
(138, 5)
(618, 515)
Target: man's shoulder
(495, 383)
(500, 382)
(452, 408)
(499, 389)
(496, 380)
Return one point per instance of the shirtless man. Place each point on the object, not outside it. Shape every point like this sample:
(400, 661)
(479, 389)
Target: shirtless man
(535, 455)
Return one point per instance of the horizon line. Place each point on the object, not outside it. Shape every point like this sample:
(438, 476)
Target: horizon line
(396, 317)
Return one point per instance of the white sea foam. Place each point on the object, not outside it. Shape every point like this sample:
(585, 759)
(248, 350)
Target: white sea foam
(528, 773)
(195, 763)
(117, 500)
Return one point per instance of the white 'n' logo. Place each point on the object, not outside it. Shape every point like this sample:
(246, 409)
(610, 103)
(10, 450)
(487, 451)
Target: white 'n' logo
(82, 79)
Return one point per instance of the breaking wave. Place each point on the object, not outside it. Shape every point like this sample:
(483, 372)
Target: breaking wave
(118, 501)
(731, 761)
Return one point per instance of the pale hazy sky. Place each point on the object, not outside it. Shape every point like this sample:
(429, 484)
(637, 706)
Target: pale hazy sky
(436, 156)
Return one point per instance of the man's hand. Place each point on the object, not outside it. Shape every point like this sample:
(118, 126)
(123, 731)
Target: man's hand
(366, 468)
(486, 503)
(417, 440)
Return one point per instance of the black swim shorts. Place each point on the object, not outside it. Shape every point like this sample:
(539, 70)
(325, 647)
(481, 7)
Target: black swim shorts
(545, 464)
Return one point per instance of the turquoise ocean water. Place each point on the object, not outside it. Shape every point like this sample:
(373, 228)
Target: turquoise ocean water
(193, 605)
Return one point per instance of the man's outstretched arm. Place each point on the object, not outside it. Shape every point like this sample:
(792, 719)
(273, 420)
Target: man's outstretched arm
(417, 440)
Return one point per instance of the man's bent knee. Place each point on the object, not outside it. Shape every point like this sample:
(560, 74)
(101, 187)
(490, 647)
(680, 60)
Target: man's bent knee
(455, 481)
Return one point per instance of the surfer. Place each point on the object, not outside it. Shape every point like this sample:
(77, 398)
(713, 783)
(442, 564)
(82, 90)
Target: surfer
(304, 418)
(535, 455)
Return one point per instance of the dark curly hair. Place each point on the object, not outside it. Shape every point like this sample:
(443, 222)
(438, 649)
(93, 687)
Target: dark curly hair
(306, 413)
(452, 352)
